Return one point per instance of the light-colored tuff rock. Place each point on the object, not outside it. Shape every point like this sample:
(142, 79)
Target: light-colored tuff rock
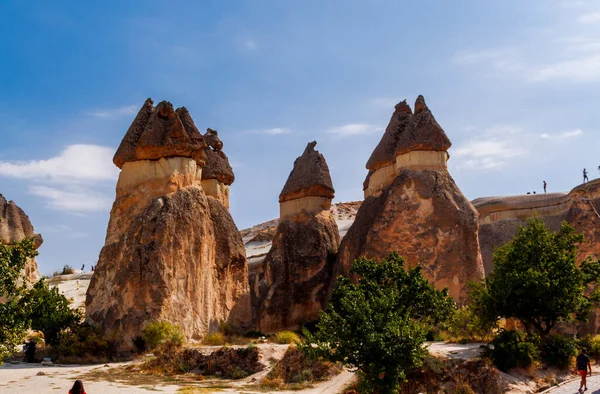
(171, 252)
(414, 207)
(291, 285)
(15, 226)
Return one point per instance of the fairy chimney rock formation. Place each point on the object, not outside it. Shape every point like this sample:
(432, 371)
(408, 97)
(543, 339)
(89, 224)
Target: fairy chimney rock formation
(413, 206)
(308, 186)
(293, 284)
(171, 252)
(217, 175)
(15, 226)
(411, 141)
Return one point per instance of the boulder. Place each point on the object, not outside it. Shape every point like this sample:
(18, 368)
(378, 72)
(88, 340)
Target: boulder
(15, 226)
(172, 252)
(413, 206)
(292, 284)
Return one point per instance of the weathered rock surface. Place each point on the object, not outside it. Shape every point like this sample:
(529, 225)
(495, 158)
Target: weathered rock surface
(217, 176)
(171, 252)
(15, 226)
(501, 217)
(159, 132)
(417, 210)
(291, 286)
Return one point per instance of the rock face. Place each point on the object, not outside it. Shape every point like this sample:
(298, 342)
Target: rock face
(217, 175)
(172, 252)
(500, 217)
(291, 286)
(15, 226)
(413, 206)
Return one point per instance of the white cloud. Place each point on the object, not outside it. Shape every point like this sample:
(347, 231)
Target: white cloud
(76, 199)
(492, 150)
(277, 131)
(114, 112)
(592, 17)
(584, 69)
(77, 163)
(70, 180)
(354, 129)
(250, 45)
(562, 136)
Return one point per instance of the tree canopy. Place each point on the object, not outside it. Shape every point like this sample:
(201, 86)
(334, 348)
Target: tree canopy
(536, 279)
(378, 324)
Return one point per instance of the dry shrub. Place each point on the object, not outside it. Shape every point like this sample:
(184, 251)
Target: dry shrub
(226, 362)
(285, 337)
(296, 367)
(215, 339)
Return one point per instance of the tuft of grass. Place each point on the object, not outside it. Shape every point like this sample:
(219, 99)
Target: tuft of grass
(285, 337)
(215, 339)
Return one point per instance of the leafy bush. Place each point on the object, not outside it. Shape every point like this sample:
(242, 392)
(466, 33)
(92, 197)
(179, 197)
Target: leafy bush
(466, 325)
(558, 350)
(84, 343)
(592, 344)
(215, 339)
(510, 349)
(162, 333)
(285, 337)
(48, 311)
(378, 325)
(297, 367)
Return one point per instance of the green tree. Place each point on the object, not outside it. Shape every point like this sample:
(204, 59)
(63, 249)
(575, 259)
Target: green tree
(536, 279)
(378, 325)
(13, 320)
(48, 311)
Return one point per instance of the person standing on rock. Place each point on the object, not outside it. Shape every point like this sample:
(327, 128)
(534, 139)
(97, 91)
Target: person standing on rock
(583, 365)
(544, 186)
(585, 177)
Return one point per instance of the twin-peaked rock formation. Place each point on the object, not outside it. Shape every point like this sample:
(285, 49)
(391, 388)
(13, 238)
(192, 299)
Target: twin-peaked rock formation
(413, 206)
(291, 286)
(172, 251)
(15, 226)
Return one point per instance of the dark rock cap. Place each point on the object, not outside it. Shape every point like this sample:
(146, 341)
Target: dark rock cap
(217, 163)
(158, 132)
(309, 177)
(408, 132)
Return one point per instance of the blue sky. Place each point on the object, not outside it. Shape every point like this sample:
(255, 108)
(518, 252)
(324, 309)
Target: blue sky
(515, 84)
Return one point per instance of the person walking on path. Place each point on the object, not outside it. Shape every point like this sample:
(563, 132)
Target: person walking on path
(544, 186)
(583, 365)
(585, 177)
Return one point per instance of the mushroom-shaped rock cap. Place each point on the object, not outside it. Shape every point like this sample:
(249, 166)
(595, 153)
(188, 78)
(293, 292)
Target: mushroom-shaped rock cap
(309, 177)
(158, 132)
(217, 163)
(408, 132)
(15, 224)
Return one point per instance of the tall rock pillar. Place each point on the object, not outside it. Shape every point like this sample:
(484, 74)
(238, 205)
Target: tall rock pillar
(413, 206)
(171, 252)
(293, 284)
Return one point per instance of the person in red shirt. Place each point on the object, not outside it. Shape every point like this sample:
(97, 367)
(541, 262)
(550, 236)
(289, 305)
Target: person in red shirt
(77, 388)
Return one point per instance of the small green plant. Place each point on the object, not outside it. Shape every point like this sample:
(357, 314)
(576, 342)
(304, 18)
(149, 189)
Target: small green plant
(286, 337)
(511, 349)
(592, 344)
(558, 350)
(162, 333)
(215, 339)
